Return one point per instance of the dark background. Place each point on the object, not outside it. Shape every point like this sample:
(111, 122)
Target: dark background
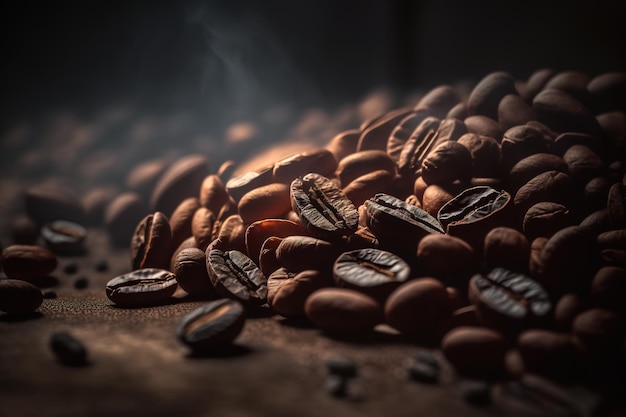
(241, 54)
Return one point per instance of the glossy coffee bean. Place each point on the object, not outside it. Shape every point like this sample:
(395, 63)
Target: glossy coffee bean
(143, 177)
(180, 221)
(531, 166)
(258, 232)
(191, 272)
(236, 276)
(402, 132)
(510, 301)
(485, 152)
(416, 307)
(149, 286)
(372, 271)
(361, 163)
(152, 242)
(567, 308)
(447, 162)
(366, 186)
(266, 202)
(287, 292)
(64, 237)
(232, 234)
(341, 311)
(322, 207)
(479, 124)
(475, 351)
(213, 325)
(267, 256)
(320, 161)
(19, 297)
(520, 142)
(213, 194)
(583, 164)
(243, 183)
(551, 186)
(423, 139)
(27, 262)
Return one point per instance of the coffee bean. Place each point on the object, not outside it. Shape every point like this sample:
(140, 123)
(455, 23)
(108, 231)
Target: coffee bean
(434, 252)
(568, 307)
(545, 219)
(143, 177)
(372, 271)
(258, 232)
(48, 203)
(374, 137)
(531, 166)
(24, 231)
(321, 161)
(236, 276)
(509, 301)
(213, 325)
(507, 248)
(485, 152)
(64, 237)
(535, 82)
(181, 219)
(417, 306)
(439, 101)
(519, 142)
(95, 201)
(341, 311)
(191, 272)
(563, 113)
(423, 372)
(202, 227)
(248, 181)
(81, 283)
(151, 243)
(616, 206)
(298, 253)
(423, 139)
(548, 353)
(514, 110)
(571, 82)
(402, 132)
(69, 350)
(267, 257)
(475, 351)
(483, 126)
(266, 202)
(344, 143)
(366, 186)
(122, 216)
(447, 162)
(551, 186)
(607, 91)
(287, 291)
(27, 262)
(361, 163)
(583, 164)
(488, 92)
(232, 234)
(213, 194)
(436, 196)
(19, 297)
(608, 287)
(342, 366)
(598, 330)
(149, 286)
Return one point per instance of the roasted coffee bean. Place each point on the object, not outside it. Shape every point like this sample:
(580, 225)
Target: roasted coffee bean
(416, 307)
(344, 143)
(598, 330)
(152, 242)
(402, 132)
(371, 271)
(483, 126)
(533, 395)
(513, 110)
(141, 287)
(520, 142)
(439, 101)
(551, 186)
(608, 287)
(616, 205)
(535, 82)
(418, 146)
(19, 297)
(545, 219)
(27, 262)
(287, 291)
(81, 283)
(396, 223)
(211, 326)
(191, 273)
(267, 256)
(24, 231)
(436, 196)
(507, 248)
(607, 91)
(47, 203)
(459, 111)
(181, 219)
(434, 252)
(447, 162)
(213, 194)
(583, 164)
(266, 202)
(248, 181)
(323, 209)
(488, 92)
(561, 112)
(320, 161)
(567, 308)
(64, 237)
(375, 137)
(474, 212)
(546, 352)
(95, 202)
(421, 371)
(341, 311)
(69, 350)
(596, 193)
(258, 232)
(180, 181)
(190, 242)
(298, 253)
(571, 82)
(510, 301)
(236, 276)
(232, 234)
(202, 224)
(485, 152)
(531, 166)
(475, 351)
(122, 216)
(366, 186)
(361, 163)
(143, 177)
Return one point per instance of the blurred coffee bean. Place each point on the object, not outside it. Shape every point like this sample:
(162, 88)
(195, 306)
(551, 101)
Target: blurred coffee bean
(151, 243)
(573, 83)
(320, 161)
(548, 353)
(122, 216)
(476, 392)
(287, 292)
(616, 206)
(598, 330)
(81, 283)
(434, 252)
(143, 177)
(70, 268)
(64, 237)
(46, 203)
(507, 248)
(607, 91)
(211, 326)
(69, 350)
(213, 194)
(608, 287)
(27, 262)
(149, 286)
(475, 351)
(535, 82)
(439, 100)
(344, 143)
(19, 297)
(562, 112)
(95, 202)
(488, 93)
(202, 227)
(24, 230)
(181, 219)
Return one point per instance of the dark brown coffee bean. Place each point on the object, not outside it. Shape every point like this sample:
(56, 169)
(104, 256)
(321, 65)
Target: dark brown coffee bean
(546, 352)
(360, 163)
(47, 203)
(95, 202)
(485, 153)
(24, 230)
(402, 132)
(202, 227)
(366, 186)
(27, 262)
(438, 101)
(69, 350)
(598, 330)
(613, 239)
(513, 110)
(64, 237)
(342, 312)
(141, 287)
(375, 136)
(298, 253)
(572, 82)
(597, 222)
(423, 139)
(180, 181)
(151, 244)
(323, 209)
(371, 271)
(583, 164)
(191, 273)
(568, 307)
(213, 194)
(474, 212)
(607, 91)
(344, 143)
(531, 166)
(483, 126)
(417, 307)
(435, 251)
(608, 287)
(320, 161)
(520, 142)
(566, 140)
(144, 176)
(616, 205)
(545, 219)
(475, 351)
(459, 111)
(551, 186)
(509, 301)
(596, 193)
(396, 223)
(266, 202)
(122, 216)
(436, 196)
(19, 297)
(180, 221)
(287, 291)
(267, 256)
(248, 181)
(211, 326)
(488, 92)
(561, 112)
(447, 162)
(236, 276)
(506, 247)
(535, 83)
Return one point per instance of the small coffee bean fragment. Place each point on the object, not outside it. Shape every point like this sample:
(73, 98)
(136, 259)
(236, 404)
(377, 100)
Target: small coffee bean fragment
(81, 283)
(19, 297)
(69, 350)
(215, 324)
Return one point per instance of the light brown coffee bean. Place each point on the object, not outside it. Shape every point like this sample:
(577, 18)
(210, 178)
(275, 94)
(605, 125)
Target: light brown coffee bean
(361, 163)
(298, 253)
(232, 234)
(19, 297)
(344, 143)
(266, 202)
(342, 312)
(368, 185)
(202, 227)
(267, 256)
(436, 196)
(287, 292)
(402, 132)
(27, 262)
(248, 181)
(375, 137)
(258, 232)
(475, 351)
(151, 245)
(181, 219)
(213, 194)
(320, 161)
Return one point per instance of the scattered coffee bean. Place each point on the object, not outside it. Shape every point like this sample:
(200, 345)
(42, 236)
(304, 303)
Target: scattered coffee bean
(69, 350)
(81, 283)
(421, 371)
(71, 268)
(215, 324)
(19, 297)
(27, 262)
(475, 351)
(49, 294)
(342, 366)
(142, 287)
(64, 237)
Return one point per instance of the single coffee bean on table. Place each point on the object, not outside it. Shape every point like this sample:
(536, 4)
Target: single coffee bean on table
(19, 297)
(151, 242)
(28, 262)
(142, 287)
(65, 237)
